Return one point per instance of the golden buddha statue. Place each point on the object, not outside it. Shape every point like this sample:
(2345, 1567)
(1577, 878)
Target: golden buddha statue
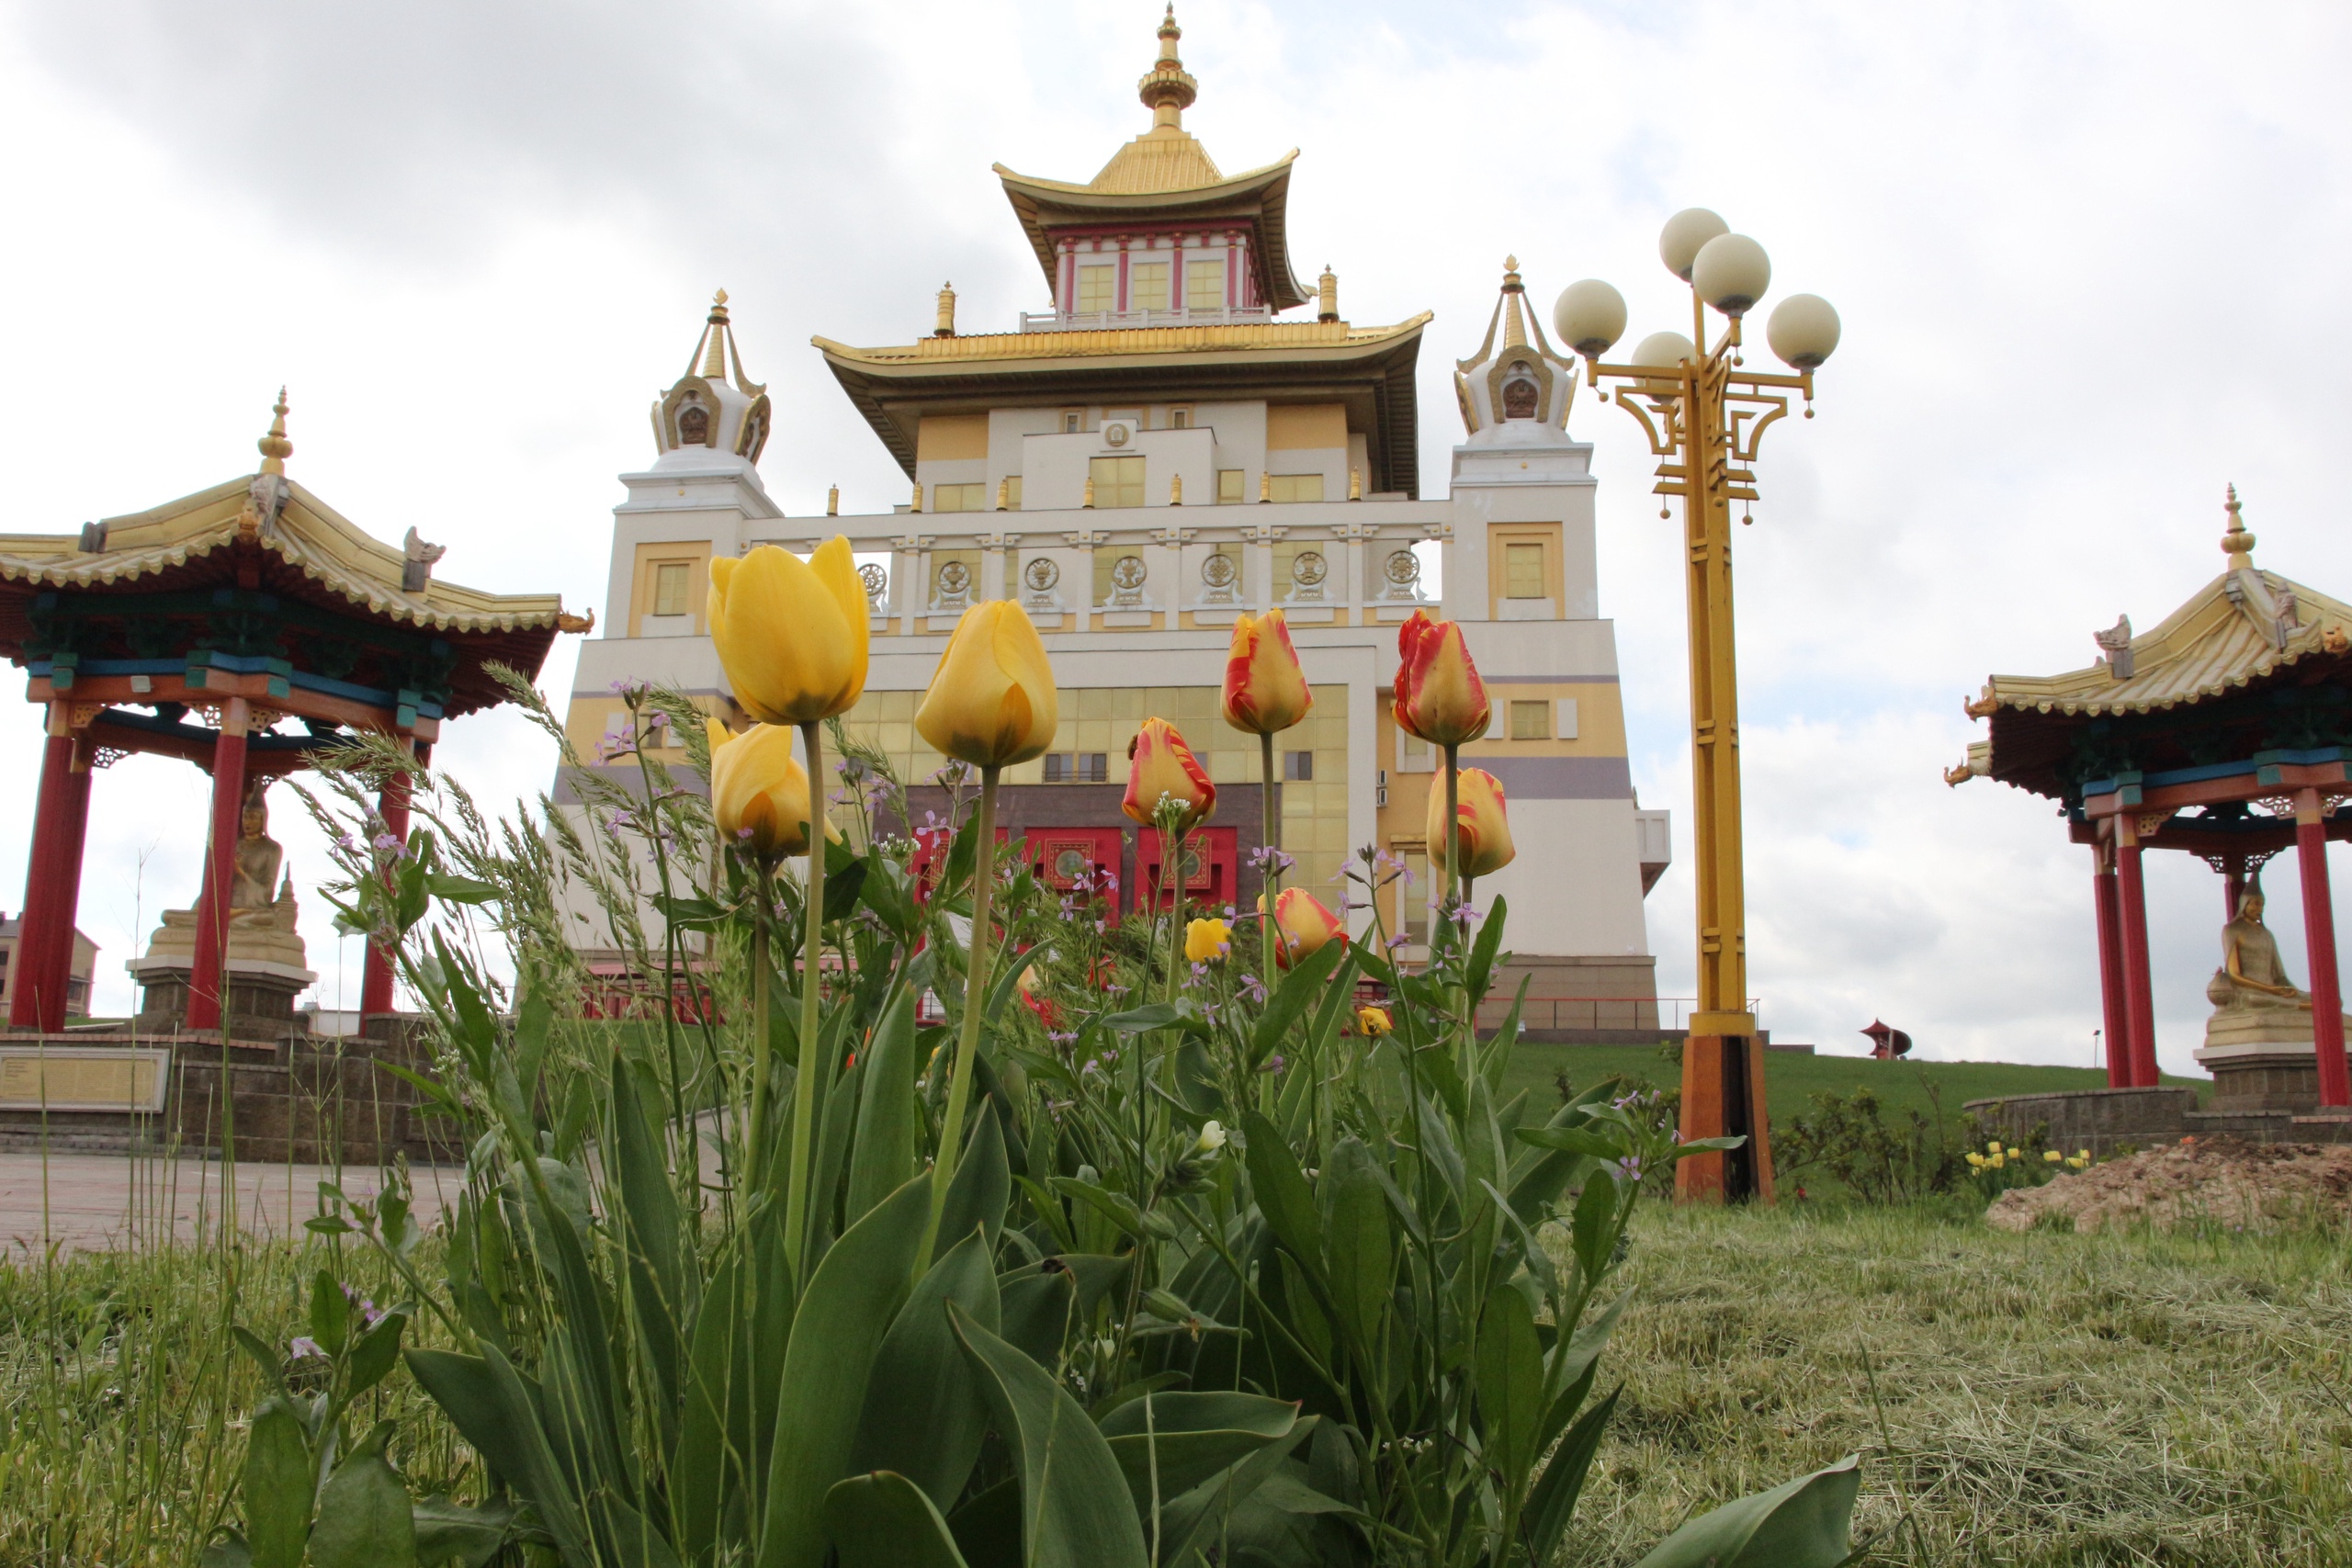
(2252, 975)
(262, 909)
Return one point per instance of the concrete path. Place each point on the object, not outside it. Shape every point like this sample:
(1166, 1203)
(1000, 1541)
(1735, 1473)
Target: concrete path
(85, 1202)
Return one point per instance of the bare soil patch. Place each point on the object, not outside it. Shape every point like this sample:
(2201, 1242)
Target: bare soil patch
(2214, 1181)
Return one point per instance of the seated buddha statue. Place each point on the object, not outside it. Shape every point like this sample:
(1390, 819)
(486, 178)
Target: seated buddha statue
(256, 897)
(2252, 976)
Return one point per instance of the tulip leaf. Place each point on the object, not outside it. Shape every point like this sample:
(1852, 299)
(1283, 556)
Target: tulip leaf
(1804, 1523)
(883, 1520)
(884, 1157)
(1036, 1310)
(465, 1536)
(924, 1415)
(1075, 1511)
(1298, 989)
(848, 1308)
(1178, 1440)
(1483, 951)
(982, 1186)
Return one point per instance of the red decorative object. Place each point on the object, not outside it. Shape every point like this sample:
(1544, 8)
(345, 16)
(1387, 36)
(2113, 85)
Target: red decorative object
(1213, 855)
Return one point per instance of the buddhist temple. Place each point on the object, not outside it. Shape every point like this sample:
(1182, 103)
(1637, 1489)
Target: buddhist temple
(1187, 430)
(2222, 732)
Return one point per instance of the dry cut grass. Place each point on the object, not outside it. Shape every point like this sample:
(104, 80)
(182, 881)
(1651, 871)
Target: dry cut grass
(2040, 1399)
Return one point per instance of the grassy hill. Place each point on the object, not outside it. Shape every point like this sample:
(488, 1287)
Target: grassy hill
(1792, 1080)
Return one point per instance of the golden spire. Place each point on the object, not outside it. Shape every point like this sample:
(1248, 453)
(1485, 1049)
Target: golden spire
(2237, 545)
(1514, 325)
(715, 356)
(1327, 295)
(1167, 90)
(947, 322)
(274, 447)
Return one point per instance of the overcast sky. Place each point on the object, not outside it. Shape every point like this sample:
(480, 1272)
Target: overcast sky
(2090, 261)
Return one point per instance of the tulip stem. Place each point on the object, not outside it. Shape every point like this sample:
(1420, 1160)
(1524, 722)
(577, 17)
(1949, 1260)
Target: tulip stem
(810, 1076)
(755, 1160)
(968, 1043)
(1452, 826)
(1269, 840)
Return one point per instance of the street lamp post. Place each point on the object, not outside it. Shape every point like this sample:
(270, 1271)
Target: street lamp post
(1705, 414)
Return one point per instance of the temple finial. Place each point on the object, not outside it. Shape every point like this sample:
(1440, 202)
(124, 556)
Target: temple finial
(714, 361)
(274, 447)
(2237, 545)
(1166, 91)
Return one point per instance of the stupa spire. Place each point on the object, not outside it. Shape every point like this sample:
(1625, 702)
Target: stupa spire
(2237, 545)
(274, 447)
(1168, 90)
(714, 337)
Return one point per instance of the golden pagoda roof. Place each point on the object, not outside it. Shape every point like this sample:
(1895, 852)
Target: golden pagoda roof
(306, 535)
(1286, 339)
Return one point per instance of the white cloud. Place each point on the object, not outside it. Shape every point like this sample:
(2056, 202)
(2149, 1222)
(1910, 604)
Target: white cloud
(2085, 257)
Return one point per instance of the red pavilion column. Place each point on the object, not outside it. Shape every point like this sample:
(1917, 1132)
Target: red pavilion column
(2138, 997)
(207, 985)
(375, 974)
(2319, 943)
(44, 955)
(2115, 1016)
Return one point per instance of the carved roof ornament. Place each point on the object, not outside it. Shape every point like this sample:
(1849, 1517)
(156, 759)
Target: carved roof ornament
(266, 497)
(2115, 645)
(417, 559)
(2237, 545)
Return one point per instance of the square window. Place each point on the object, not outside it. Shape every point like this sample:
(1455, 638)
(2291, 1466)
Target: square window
(1229, 487)
(1097, 288)
(1056, 766)
(1148, 285)
(673, 582)
(1118, 482)
(957, 498)
(1073, 421)
(1093, 767)
(1013, 493)
(1293, 487)
(1531, 721)
(1298, 767)
(1204, 284)
(1524, 571)
(1180, 419)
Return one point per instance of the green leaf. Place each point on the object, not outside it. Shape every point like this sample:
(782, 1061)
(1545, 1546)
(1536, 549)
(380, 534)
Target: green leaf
(375, 1353)
(661, 1270)
(924, 1413)
(264, 1356)
(883, 1160)
(1554, 1501)
(1037, 1310)
(462, 1535)
(1483, 951)
(1510, 1386)
(1172, 1442)
(1707, 1146)
(1193, 1519)
(1283, 1194)
(492, 1408)
(1075, 1510)
(280, 1479)
(842, 888)
(330, 1314)
(1298, 991)
(1804, 1523)
(1360, 1249)
(715, 1454)
(1574, 1140)
(1594, 1230)
(452, 889)
(842, 1318)
(364, 1518)
(983, 1185)
(883, 1520)
(229, 1551)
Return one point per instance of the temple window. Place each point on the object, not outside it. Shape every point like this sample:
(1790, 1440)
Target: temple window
(1229, 487)
(693, 427)
(1531, 721)
(1519, 399)
(1148, 285)
(1073, 422)
(672, 588)
(1180, 419)
(958, 498)
(1013, 493)
(1118, 482)
(1298, 767)
(1524, 571)
(1293, 487)
(1078, 767)
(1204, 284)
(1098, 289)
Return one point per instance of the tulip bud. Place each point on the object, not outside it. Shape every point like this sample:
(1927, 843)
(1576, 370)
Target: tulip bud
(1160, 765)
(1206, 941)
(1439, 695)
(991, 701)
(1372, 1022)
(1265, 691)
(1485, 827)
(1303, 926)
(790, 634)
(759, 793)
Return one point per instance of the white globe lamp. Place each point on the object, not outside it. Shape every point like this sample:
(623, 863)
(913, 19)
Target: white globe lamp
(1803, 331)
(1590, 316)
(1731, 273)
(1685, 233)
(1663, 351)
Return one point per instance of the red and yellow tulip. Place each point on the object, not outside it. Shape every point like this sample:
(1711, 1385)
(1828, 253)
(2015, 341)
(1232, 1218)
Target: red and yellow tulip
(1439, 695)
(1161, 767)
(1265, 691)
(1482, 822)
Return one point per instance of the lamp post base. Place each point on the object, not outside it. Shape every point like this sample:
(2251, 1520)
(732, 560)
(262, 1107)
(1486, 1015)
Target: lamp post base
(1722, 1096)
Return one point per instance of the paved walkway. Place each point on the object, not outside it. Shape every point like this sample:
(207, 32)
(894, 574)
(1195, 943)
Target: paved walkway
(84, 1202)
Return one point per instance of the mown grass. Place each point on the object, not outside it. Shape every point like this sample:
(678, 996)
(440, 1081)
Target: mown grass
(2040, 1399)
(2046, 1398)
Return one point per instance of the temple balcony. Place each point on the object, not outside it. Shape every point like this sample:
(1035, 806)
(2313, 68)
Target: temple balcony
(1098, 321)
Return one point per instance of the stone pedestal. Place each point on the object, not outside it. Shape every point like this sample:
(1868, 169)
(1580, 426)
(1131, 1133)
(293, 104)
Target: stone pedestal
(2262, 1060)
(265, 973)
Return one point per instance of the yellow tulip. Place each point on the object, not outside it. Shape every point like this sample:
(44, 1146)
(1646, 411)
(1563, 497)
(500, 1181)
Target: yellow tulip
(991, 701)
(1373, 1020)
(759, 791)
(1302, 925)
(1485, 825)
(1265, 691)
(791, 634)
(1161, 767)
(1206, 941)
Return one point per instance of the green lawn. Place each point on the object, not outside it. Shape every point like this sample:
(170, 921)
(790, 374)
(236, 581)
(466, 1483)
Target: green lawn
(1793, 1078)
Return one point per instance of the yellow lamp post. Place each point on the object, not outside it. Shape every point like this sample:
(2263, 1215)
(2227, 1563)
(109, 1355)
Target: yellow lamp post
(1705, 414)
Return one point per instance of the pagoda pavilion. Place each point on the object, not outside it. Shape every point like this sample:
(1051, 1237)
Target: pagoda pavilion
(199, 630)
(2224, 733)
